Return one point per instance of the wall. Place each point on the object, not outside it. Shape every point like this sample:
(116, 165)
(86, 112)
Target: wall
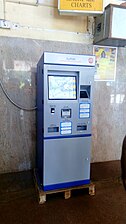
(27, 19)
(109, 121)
(18, 61)
(40, 28)
(34, 21)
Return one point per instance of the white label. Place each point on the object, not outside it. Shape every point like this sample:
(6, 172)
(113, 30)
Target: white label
(63, 132)
(84, 105)
(66, 124)
(84, 115)
(69, 59)
(84, 110)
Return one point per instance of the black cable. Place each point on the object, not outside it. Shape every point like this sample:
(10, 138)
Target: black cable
(15, 104)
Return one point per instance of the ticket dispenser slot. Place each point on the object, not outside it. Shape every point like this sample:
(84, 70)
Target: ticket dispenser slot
(81, 127)
(53, 129)
(64, 113)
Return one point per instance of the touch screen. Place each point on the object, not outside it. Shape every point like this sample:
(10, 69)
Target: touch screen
(62, 87)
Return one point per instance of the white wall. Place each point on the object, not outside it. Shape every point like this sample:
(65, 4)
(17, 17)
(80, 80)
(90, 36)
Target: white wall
(29, 20)
(1, 9)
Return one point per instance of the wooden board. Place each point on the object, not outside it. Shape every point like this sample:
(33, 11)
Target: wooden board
(67, 191)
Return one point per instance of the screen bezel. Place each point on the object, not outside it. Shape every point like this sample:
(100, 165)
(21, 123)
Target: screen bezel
(74, 76)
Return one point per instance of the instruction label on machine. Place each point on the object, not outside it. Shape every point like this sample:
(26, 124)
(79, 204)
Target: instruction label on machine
(84, 110)
(65, 128)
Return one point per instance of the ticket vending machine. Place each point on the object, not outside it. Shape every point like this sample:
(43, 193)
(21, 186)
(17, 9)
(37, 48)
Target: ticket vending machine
(64, 114)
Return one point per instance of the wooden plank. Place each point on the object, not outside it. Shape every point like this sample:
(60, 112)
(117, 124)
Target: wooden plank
(67, 194)
(92, 189)
(42, 197)
(67, 191)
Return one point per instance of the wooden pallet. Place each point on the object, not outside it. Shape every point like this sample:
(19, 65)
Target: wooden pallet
(67, 191)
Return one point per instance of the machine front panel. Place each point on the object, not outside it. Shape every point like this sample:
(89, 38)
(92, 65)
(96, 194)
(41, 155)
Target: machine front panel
(67, 159)
(69, 109)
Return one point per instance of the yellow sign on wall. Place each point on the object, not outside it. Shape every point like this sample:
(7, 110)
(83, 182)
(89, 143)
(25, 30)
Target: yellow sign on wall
(80, 6)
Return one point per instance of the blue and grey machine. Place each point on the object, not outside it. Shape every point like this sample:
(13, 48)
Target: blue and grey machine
(64, 114)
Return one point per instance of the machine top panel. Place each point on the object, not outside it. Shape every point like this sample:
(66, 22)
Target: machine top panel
(68, 59)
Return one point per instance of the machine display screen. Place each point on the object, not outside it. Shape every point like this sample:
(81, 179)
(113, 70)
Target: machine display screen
(62, 87)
